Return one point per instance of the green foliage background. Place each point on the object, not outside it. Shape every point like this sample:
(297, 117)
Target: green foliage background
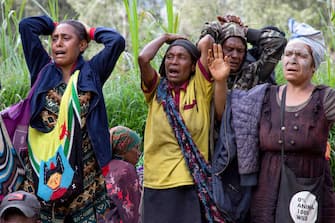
(141, 21)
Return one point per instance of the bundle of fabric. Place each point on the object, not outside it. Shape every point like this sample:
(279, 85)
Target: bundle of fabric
(222, 32)
(11, 166)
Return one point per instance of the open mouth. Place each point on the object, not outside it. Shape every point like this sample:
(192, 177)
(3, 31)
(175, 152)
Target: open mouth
(173, 72)
(59, 52)
(291, 69)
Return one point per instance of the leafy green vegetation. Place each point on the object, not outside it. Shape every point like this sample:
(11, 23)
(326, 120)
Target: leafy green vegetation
(140, 22)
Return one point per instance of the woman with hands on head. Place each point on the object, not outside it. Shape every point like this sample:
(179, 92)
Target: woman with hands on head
(177, 130)
(69, 146)
(234, 36)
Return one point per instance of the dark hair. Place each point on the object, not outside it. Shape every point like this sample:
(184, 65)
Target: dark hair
(188, 46)
(80, 29)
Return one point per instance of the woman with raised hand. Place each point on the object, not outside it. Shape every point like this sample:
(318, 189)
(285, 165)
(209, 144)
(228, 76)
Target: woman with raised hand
(176, 174)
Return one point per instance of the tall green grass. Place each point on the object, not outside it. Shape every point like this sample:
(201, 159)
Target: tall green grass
(125, 102)
(172, 18)
(14, 73)
(124, 99)
(131, 9)
(15, 78)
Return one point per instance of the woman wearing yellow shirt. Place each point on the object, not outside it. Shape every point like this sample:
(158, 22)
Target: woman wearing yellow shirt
(177, 131)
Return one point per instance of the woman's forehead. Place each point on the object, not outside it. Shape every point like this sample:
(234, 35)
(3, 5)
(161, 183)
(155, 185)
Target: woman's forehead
(234, 42)
(178, 49)
(297, 46)
(64, 28)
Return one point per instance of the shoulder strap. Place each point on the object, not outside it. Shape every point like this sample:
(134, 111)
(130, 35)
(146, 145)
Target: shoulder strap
(282, 122)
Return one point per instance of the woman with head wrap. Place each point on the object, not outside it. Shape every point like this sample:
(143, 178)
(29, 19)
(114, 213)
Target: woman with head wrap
(309, 114)
(122, 181)
(246, 70)
(125, 143)
(177, 132)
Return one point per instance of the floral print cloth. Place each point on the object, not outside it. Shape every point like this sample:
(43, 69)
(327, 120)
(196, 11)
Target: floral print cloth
(123, 189)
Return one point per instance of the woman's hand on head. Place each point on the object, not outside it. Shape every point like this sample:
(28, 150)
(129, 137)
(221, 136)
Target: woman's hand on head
(218, 64)
(230, 18)
(170, 37)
